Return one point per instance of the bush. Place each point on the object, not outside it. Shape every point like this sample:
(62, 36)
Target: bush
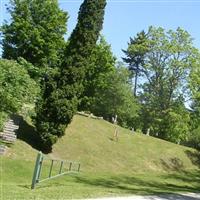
(3, 118)
(194, 139)
(16, 88)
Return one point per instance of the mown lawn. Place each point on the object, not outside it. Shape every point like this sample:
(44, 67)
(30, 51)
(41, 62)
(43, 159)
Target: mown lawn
(16, 178)
(135, 164)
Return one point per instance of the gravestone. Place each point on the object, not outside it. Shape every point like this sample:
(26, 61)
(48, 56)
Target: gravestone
(148, 132)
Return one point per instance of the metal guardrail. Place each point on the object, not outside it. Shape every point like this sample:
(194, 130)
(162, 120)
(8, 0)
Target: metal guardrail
(38, 168)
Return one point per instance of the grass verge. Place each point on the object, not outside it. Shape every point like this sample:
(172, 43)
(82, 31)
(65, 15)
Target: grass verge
(16, 182)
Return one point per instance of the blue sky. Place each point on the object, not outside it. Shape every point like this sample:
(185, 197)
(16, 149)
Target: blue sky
(124, 18)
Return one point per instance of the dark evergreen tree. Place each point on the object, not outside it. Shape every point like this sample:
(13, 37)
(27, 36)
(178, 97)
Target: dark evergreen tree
(62, 90)
(135, 54)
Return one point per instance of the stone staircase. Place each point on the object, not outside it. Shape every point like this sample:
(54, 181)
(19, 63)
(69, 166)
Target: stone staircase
(8, 136)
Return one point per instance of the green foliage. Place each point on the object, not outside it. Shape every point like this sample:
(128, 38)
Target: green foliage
(34, 72)
(194, 81)
(135, 56)
(106, 88)
(61, 91)
(45, 113)
(175, 124)
(166, 67)
(102, 62)
(3, 118)
(17, 88)
(194, 138)
(35, 32)
(115, 97)
(194, 85)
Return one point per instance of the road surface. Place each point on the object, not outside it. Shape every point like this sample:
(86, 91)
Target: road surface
(188, 196)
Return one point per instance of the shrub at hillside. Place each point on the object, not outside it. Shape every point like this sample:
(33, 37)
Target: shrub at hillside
(194, 139)
(16, 88)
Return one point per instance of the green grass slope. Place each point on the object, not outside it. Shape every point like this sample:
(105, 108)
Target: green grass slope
(135, 164)
(90, 141)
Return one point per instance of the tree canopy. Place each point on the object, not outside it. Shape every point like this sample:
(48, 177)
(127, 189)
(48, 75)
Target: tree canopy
(35, 32)
(115, 97)
(167, 66)
(102, 62)
(83, 74)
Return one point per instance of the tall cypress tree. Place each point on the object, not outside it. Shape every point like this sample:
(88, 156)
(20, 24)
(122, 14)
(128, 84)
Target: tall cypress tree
(62, 92)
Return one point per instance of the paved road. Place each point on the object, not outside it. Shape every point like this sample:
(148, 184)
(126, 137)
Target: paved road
(189, 196)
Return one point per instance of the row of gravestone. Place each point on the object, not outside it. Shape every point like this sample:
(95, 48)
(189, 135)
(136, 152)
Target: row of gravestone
(8, 136)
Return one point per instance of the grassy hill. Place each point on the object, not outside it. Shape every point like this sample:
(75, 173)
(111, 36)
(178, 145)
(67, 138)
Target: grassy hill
(91, 142)
(134, 164)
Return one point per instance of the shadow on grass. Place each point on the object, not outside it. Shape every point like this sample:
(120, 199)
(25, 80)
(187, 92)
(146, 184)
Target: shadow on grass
(148, 185)
(174, 197)
(194, 156)
(173, 164)
(27, 133)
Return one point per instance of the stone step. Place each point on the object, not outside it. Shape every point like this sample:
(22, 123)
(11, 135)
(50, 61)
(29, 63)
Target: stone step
(10, 123)
(9, 138)
(9, 129)
(11, 126)
(8, 132)
(3, 149)
(9, 135)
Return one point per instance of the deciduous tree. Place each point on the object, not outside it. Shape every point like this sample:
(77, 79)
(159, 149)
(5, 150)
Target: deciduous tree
(115, 97)
(102, 62)
(35, 32)
(167, 66)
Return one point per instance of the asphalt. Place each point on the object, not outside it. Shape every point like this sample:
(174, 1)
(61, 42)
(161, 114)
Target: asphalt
(188, 196)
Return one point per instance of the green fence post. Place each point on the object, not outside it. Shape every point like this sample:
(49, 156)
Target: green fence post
(79, 165)
(40, 168)
(70, 166)
(51, 168)
(36, 170)
(61, 165)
